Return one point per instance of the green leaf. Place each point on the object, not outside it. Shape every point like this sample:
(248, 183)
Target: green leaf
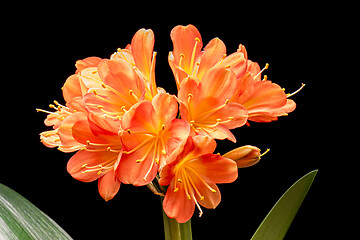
(279, 219)
(20, 219)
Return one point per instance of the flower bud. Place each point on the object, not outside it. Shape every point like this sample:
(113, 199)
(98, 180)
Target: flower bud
(245, 156)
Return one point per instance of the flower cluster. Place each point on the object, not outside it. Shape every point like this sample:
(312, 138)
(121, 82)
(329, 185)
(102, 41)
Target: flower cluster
(124, 129)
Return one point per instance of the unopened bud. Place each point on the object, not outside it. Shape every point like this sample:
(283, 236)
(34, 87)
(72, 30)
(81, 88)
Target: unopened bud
(245, 156)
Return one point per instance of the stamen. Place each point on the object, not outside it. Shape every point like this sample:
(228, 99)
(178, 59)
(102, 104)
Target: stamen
(267, 150)
(297, 91)
(182, 56)
(201, 179)
(198, 206)
(60, 105)
(222, 59)
(190, 96)
(140, 145)
(197, 41)
(154, 159)
(186, 185)
(266, 67)
(44, 111)
(204, 114)
(196, 69)
(131, 92)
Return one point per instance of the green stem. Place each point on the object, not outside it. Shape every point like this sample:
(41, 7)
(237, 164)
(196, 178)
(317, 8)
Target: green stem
(174, 230)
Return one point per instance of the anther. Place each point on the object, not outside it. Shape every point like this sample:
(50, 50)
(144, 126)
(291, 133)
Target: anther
(190, 96)
(197, 39)
(129, 131)
(163, 127)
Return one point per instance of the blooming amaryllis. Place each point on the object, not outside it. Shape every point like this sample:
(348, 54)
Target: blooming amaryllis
(126, 130)
(192, 178)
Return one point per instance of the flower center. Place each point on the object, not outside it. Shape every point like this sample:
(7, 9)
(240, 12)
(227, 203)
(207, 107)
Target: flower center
(154, 145)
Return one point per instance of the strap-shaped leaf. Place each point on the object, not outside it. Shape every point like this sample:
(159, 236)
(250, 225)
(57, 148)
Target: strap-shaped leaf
(279, 219)
(20, 219)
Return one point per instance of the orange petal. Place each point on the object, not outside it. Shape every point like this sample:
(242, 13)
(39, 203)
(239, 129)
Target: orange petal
(65, 129)
(236, 62)
(211, 198)
(108, 186)
(142, 46)
(121, 76)
(71, 88)
(184, 39)
(211, 55)
(177, 205)
(267, 96)
(85, 166)
(166, 107)
(219, 83)
(214, 168)
(130, 171)
(86, 63)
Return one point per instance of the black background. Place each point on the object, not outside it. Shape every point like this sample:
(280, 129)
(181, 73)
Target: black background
(41, 49)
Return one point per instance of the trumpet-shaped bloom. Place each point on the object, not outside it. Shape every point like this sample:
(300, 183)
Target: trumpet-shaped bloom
(187, 58)
(119, 89)
(151, 138)
(206, 105)
(64, 117)
(98, 159)
(192, 178)
(265, 101)
(141, 56)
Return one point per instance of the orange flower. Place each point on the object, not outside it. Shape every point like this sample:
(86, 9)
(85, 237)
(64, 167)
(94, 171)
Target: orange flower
(192, 178)
(140, 54)
(64, 117)
(98, 158)
(187, 59)
(151, 138)
(119, 89)
(206, 105)
(265, 101)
